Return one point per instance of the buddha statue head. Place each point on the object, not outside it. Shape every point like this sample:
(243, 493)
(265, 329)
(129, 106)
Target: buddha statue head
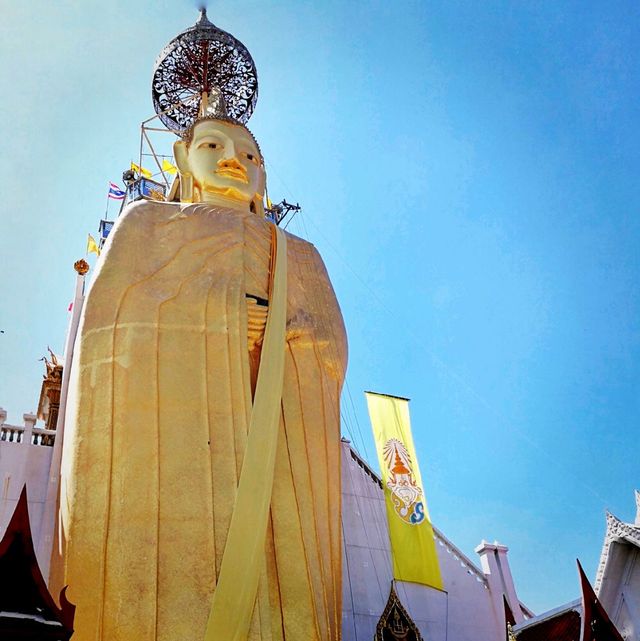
(220, 163)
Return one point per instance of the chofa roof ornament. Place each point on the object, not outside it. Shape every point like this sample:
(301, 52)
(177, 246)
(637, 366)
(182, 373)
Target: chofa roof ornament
(204, 69)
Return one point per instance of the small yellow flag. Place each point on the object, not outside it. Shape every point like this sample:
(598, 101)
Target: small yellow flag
(412, 545)
(141, 170)
(92, 246)
(269, 203)
(168, 167)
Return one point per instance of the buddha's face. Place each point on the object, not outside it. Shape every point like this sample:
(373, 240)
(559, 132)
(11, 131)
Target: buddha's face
(224, 161)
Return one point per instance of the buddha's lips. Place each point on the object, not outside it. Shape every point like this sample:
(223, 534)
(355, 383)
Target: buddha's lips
(232, 172)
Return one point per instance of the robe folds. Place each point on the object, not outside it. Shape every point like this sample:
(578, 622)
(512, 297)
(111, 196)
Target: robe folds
(158, 411)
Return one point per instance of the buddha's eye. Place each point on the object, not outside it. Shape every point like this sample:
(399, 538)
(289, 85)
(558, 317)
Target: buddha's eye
(251, 158)
(212, 145)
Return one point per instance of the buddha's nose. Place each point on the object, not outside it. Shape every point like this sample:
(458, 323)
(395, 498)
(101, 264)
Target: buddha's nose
(229, 150)
(230, 163)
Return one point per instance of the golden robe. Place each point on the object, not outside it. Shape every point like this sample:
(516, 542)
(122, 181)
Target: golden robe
(159, 405)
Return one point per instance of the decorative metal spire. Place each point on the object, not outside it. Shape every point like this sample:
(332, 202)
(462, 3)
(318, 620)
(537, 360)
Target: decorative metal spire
(204, 64)
(203, 20)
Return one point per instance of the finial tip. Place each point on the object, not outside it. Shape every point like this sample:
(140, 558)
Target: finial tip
(81, 266)
(202, 18)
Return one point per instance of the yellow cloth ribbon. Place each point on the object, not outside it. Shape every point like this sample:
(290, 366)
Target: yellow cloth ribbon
(243, 558)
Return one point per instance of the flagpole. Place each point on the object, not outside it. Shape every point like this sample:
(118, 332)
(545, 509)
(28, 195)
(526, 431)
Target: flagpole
(140, 154)
(106, 211)
(402, 398)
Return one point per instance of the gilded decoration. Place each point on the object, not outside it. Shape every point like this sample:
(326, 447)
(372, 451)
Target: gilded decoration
(49, 402)
(81, 266)
(395, 624)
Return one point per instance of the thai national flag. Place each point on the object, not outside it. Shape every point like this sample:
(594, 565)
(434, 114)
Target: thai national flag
(115, 192)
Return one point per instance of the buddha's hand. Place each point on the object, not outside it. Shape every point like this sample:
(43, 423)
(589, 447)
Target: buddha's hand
(256, 321)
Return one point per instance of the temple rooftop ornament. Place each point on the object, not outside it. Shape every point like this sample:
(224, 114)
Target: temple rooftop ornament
(27, 609)
(204, 62)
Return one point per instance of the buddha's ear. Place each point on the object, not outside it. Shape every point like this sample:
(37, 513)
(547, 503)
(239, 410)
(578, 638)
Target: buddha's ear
(257, 206)
(262, 182)
(180, 153)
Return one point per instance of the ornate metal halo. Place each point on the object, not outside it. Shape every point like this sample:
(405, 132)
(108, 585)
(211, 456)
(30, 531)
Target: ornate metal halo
(201, 59)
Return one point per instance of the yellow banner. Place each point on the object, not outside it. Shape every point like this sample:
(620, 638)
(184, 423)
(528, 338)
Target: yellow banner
(141, 170)
(412, 545)
(169, 167)
(92, 246)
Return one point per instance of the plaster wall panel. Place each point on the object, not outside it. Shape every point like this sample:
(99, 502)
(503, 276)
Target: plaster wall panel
(625, 622)
(23, 463)
(620, 581)
(428, 608)
(374, 522)
(632, 571)
(352, 521)
(348, 627)
(369, 591)
(365, 626)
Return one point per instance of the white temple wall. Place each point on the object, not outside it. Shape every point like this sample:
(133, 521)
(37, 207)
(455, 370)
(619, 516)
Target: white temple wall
(620, 588)
(463, 612)
(23, 460)
(470, 611)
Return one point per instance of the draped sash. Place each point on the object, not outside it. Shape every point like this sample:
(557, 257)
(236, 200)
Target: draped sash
(244, 554)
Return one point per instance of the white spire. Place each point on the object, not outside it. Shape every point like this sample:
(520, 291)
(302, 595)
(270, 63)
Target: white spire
(638, 507)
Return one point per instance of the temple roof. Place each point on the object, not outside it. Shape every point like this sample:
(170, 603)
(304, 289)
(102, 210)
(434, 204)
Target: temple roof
(617, 531)
(561, 624)
(582, 620)
(27, 609)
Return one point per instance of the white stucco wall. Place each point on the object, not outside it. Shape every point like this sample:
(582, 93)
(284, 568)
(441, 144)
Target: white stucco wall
(464, 612)
(620, 587)
(23, 462)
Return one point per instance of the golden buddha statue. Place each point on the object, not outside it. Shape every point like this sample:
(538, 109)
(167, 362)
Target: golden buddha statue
(160, 415)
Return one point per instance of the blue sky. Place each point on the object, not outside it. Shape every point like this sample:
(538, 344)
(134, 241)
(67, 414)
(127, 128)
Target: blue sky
(468, 170)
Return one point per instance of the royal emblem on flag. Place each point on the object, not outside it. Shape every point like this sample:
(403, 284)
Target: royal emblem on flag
(413, 549)
(406, 494)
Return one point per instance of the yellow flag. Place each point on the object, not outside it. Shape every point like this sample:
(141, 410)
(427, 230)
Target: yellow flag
(141, 170)
(412, 545)
(269, 203)
(168, 167)
(92, 246)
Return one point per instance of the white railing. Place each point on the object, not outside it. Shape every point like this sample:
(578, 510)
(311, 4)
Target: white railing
(27, 434)
(11, 433)
(42, 436)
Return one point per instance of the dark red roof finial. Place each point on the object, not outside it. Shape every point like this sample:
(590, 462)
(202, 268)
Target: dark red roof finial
(23, 589)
